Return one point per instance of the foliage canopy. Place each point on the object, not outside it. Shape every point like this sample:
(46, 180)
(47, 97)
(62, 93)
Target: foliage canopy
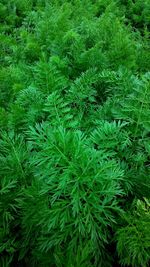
(75, 133)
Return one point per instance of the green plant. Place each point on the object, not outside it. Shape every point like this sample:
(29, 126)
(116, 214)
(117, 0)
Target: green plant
(133, 239)
(75, 128)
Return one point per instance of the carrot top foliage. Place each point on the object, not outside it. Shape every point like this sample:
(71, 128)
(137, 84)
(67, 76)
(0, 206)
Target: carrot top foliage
(75, 133)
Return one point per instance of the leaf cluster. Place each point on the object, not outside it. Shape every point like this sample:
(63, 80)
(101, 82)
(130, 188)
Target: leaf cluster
(74, 133)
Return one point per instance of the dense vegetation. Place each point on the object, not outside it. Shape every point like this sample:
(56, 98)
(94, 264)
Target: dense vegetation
(75, 133)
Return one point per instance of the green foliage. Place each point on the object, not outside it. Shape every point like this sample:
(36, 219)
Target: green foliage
(77, 192)
(138, 13)
(75, 133)
(133, 239)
